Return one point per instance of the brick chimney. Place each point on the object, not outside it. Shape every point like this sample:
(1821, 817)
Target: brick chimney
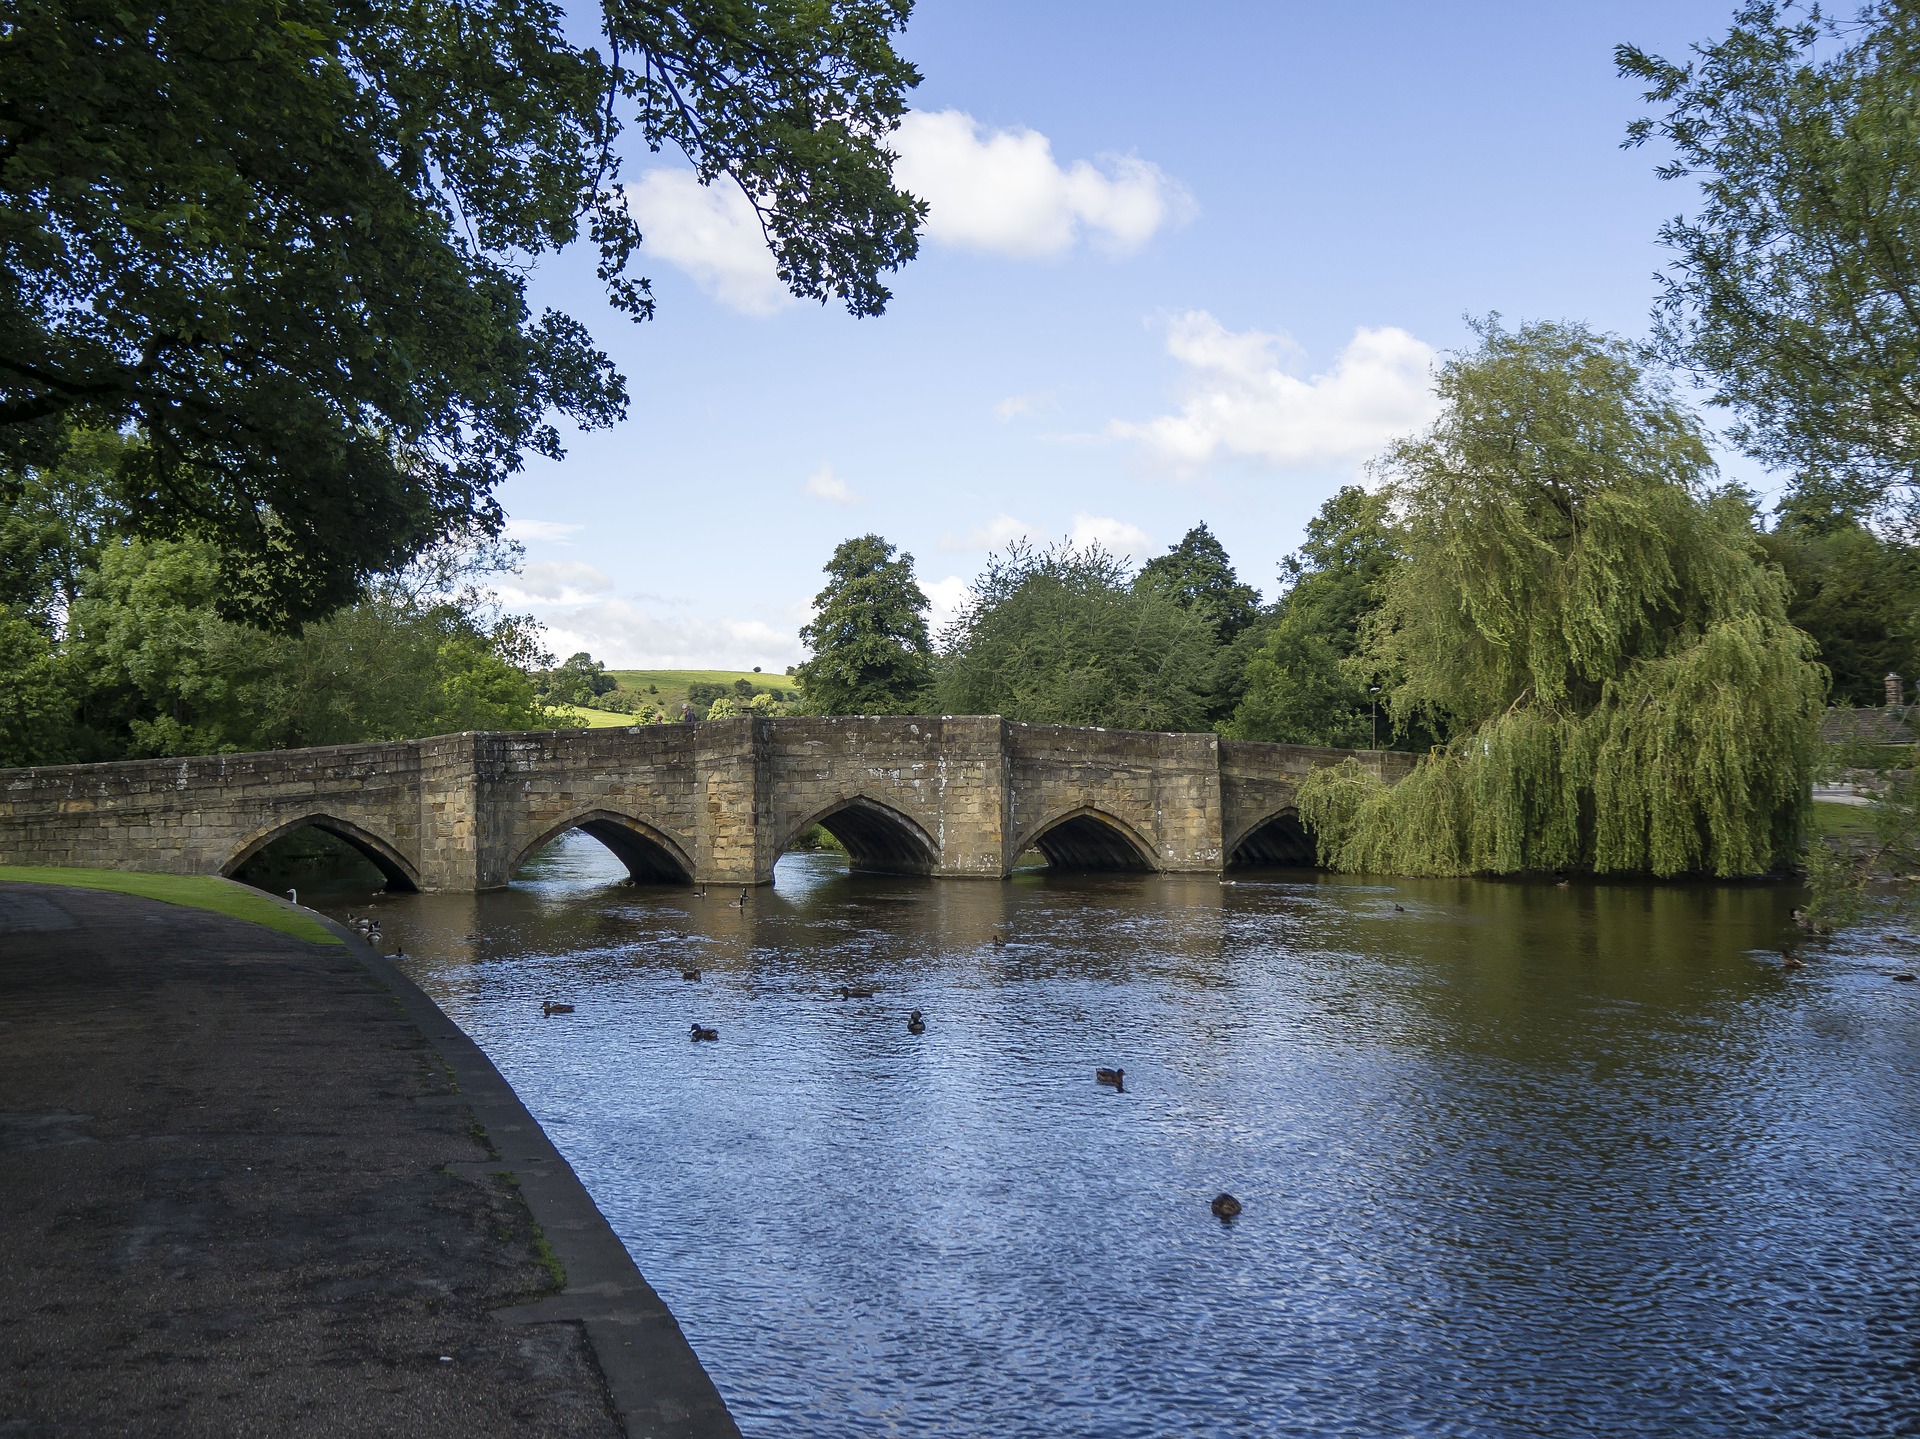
(1896, 691)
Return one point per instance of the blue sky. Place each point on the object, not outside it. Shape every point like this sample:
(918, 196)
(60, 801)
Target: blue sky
(1184, 264)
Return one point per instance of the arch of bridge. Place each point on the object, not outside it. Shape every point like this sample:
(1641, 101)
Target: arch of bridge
(401, 871)
(1277, 838)
(878, 838)
(1086, 837)
(651, 855)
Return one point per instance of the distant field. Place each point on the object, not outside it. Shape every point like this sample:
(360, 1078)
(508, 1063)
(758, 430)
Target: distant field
(592, 719)
(673, 684)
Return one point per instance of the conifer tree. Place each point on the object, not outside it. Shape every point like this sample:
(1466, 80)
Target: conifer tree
(1197, 575)
(871, 653)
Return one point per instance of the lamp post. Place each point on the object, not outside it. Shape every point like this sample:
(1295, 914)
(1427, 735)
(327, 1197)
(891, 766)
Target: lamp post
(1374, 690)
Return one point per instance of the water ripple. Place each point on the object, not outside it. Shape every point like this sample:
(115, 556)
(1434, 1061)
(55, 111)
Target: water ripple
(1515, 1161)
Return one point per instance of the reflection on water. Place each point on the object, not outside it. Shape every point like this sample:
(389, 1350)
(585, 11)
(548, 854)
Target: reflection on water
(1515, 1160)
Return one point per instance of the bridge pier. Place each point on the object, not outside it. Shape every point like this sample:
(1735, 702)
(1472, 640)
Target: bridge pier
(717, 803)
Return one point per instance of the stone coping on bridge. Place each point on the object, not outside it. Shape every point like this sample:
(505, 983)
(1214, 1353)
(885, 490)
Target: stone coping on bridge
(710, 802)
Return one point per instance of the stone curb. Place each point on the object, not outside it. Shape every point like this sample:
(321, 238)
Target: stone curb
(659, 1389)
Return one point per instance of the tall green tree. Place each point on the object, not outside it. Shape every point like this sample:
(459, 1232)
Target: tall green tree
(1855, 589)
(1197, 575)
(871, 652)
(1063, 636)
(36, 696)
(1590, 624)
(1307, 682)
(1795, 288)
(150, 667)
(577, 679)
(53, 521)
(288, 239)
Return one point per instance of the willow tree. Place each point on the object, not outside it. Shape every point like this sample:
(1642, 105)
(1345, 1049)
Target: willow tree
(1591, 624)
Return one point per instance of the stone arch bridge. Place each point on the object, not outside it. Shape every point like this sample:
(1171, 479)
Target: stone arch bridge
(715, 802)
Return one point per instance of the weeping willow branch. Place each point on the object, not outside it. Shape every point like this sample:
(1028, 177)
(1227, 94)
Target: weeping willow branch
(1697, 762)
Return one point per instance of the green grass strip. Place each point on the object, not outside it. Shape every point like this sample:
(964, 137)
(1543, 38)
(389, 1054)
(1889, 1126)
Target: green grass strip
(195, 891)
(1842, 821)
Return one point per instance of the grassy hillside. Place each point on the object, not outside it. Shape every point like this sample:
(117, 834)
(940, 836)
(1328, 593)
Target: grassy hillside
(672, 684)
(592, 719)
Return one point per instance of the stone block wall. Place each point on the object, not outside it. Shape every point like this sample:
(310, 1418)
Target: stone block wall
(944, 777)
(716, 802)
(1163, 790)
(205, 814)
(642, 780)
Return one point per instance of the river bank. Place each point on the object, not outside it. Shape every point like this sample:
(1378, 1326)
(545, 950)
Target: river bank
(256, 1183)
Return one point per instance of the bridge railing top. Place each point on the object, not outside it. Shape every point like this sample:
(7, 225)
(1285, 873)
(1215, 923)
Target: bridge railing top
(212, 765)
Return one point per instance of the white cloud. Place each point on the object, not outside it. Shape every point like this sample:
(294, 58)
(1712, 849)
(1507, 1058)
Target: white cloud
(1241, 398)
(1116, 537)
(1016, 405)
(946, 598)
(1002, 192)
(566, 582)
(551, 531)
(999, 532)
(711, 232)
(824, 484)
(626, 636)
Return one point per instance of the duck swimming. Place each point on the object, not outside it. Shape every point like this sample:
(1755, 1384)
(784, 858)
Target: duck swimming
(690, 974)
(846, 993)
(1225, 1206)
(1116, 1077)
(550, 1008)
(701, 1032)
(915, 1024)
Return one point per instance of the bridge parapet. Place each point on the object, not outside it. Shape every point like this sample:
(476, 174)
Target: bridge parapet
(718, 802)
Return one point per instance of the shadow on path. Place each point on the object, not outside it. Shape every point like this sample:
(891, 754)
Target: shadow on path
(253, 1184)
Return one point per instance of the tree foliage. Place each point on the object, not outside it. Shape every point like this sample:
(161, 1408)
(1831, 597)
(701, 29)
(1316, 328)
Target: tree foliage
(156, 670)
(1796, 287)
(577, 680)
(1063, 636)
(871, 652)
(1308, 682)
(1589, 624)
(36, 699)
(112, 646)
(53, 520)
(1197, 575)
(288, 239)
(1855, 589)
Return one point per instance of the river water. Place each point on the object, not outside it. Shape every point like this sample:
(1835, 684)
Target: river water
(1514, 1160)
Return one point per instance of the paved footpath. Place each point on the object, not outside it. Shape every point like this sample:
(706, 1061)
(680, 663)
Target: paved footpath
(252, 1185)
